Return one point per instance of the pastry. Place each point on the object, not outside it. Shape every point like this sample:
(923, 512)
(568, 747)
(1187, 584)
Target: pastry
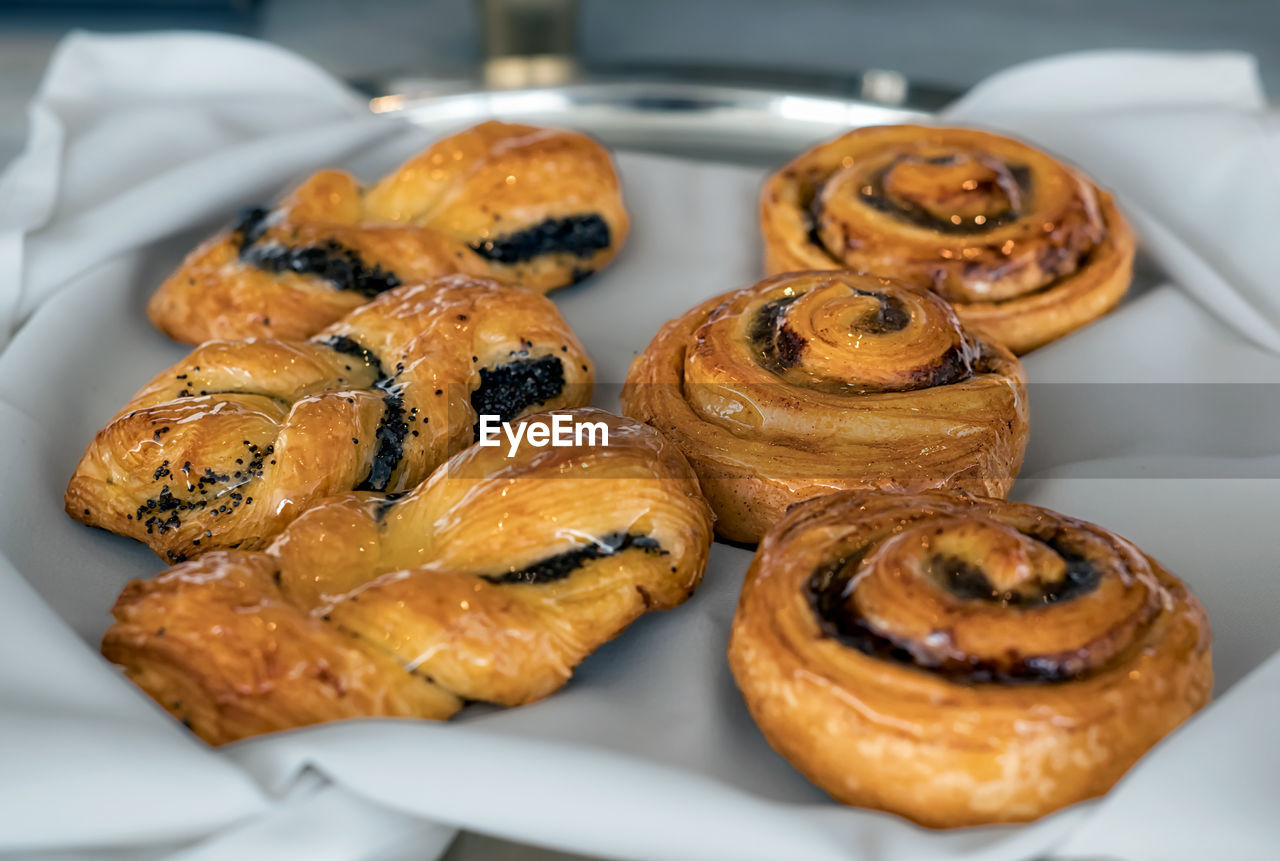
(960, 660)
(226, 447)
(536, 207)
(1023, 246)
(488, 582)
(812, 382)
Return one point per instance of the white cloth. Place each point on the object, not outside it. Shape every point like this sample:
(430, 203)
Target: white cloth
(649, 751)
(1188, 144)
(124, 127)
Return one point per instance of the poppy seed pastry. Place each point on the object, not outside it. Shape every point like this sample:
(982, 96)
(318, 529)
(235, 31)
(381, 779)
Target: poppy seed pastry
(490, 581)
(959, 660)
(1024, 247)
(540, 208)
(227, 446)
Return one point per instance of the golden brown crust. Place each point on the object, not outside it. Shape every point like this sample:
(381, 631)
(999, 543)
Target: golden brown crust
(461, 206)
(1023, 246)
(490, 581)
(960, 660)
(226, 447)
(812, 382)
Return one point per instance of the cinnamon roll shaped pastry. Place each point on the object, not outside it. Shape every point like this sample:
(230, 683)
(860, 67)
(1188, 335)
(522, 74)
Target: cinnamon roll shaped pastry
(541, 208)
(488, 582)
(812, 382)
(959, 660)
(1022, 245)
(226, 447)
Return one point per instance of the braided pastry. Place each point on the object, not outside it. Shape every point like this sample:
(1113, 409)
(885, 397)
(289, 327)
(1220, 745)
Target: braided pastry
(490, 581)
(959, 660)
(1021, 245)
(536, 207)
(818, 381)
(226, 447)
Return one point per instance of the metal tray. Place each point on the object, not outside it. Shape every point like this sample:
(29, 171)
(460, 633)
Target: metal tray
(728, 123)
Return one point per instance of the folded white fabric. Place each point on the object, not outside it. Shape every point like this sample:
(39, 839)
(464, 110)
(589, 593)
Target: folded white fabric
(126, 127)
(1189, 146)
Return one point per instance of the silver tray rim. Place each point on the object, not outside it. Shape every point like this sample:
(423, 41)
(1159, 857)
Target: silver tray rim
(724, 122)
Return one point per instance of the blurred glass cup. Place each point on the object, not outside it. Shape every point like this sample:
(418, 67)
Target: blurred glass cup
(529, 43)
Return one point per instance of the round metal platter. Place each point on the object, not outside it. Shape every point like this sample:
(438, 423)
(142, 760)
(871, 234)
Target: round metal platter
(741, 125)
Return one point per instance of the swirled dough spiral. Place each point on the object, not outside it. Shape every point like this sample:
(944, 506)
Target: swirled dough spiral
(226, 447)
(488, 582)
(541, 208)
(812, 382)
(1023, 246)
(961, 660)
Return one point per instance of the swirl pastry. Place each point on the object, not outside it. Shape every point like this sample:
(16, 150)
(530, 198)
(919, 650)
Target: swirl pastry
(537, 207)
(489, 582)
(226, 447)
(959, 660)
(1020, 244)
(812, 382)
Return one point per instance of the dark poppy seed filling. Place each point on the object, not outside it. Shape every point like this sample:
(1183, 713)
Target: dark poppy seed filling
(332, 261)
(837, 618)
(249, 226)
(507, 390)
(562, 565)
(392, 429)
(351, 347)
(340, 266)
(579, 235)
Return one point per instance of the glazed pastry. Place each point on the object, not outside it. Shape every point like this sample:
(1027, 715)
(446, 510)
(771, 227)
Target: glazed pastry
(489, 582)
(226, 447)
(537, 207)
(813, 382)
(1023, 246)
(959, 660)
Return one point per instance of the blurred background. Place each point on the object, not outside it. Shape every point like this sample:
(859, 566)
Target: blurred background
(940, 46)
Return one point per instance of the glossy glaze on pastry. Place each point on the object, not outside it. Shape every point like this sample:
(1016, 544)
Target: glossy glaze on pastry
(959, 660)
(812, 382)
(488, 582)
(226, 447)
(541, 208)
(1023, 246)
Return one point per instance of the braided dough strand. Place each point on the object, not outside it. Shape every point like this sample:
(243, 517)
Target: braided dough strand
(490, 581)
(541, 208)
(226, 447)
